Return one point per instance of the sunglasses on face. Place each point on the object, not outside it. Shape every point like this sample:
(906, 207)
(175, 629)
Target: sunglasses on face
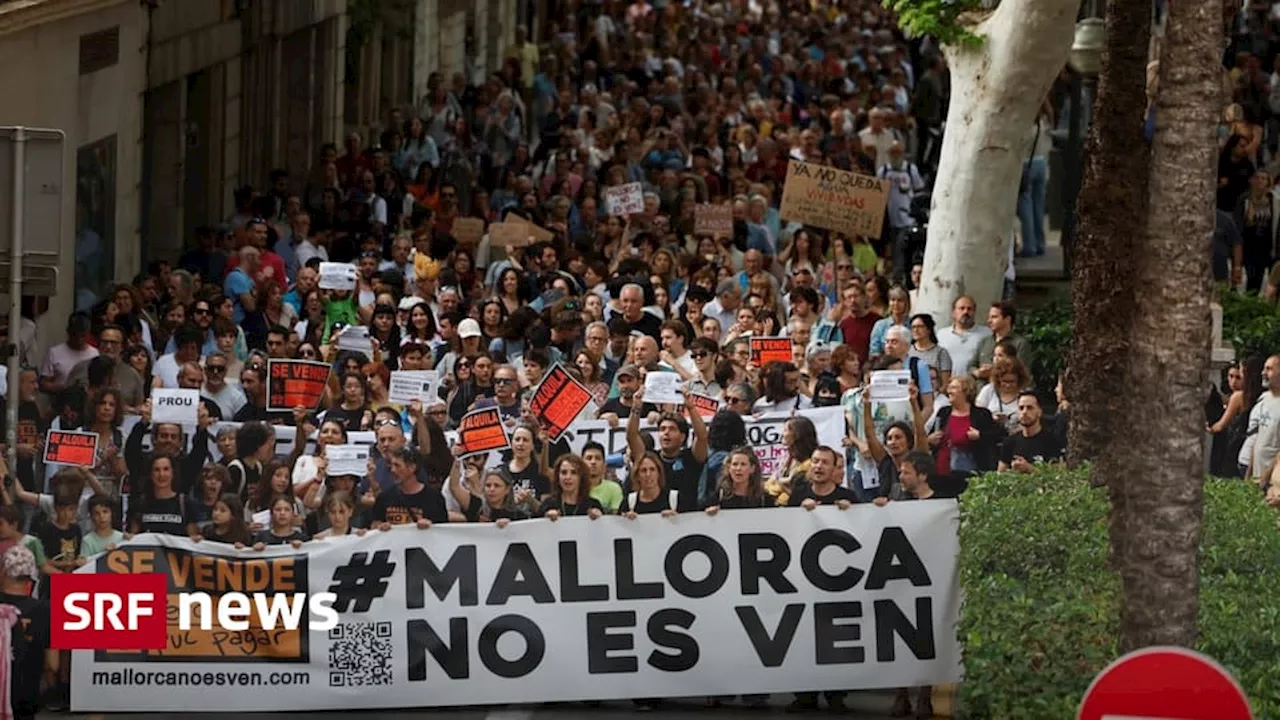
(699, 355)
(200, 311)
(503, 381)
(215, 369)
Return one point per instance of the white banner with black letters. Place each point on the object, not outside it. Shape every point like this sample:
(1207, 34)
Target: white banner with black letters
(748, 601)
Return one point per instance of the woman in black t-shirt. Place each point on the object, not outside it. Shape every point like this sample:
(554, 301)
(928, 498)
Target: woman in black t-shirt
(525, 468)
(740, 487)
(650, 494)
(569, 491)
(159, 508)
(741, 484)
(498, 504)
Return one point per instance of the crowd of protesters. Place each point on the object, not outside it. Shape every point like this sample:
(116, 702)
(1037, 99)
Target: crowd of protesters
(702, 103)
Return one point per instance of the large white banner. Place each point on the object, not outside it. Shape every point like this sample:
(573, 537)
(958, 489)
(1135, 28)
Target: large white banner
(749, 601)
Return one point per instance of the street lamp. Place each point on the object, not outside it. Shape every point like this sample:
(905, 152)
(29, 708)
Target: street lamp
(1085, 62)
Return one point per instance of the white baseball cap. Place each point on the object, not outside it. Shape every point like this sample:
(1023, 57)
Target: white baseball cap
(469, 328)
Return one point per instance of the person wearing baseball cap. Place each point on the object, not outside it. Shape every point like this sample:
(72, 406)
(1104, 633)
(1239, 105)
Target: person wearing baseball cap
(24, 628)
(619, 408)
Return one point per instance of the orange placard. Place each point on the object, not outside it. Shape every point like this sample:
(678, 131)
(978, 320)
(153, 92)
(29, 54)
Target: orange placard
(295, 383)
(71, 447)
(558, 400)
(765, 350)
(706, 405)
(482, 431)
(199, 573)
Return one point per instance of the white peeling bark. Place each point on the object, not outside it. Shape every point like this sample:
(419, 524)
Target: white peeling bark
(996, 90)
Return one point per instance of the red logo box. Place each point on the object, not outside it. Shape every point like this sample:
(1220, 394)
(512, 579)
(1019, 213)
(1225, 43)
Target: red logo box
(108, 612)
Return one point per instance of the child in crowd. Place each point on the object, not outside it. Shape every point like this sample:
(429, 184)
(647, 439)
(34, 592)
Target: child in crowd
(104, 536)
(227, 523)
(61, 537)
(11, 535)
(281, 530)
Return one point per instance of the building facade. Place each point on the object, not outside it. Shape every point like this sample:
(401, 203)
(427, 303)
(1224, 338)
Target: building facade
(169, 105)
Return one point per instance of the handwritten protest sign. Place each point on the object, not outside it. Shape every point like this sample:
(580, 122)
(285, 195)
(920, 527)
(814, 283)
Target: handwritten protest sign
(509, 234)
(467, 230)
(834, 199)
(175, 406)
(294, 383)
(765, 350)
(538, 234)
(663, 388)
(337, 276)
(558, 400)
(71, 447)
(410, 385)
(624, 200)
(713, 220)
(482, 431)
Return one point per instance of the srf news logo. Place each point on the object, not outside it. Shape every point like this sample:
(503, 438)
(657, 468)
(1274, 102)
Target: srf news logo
(131, 612)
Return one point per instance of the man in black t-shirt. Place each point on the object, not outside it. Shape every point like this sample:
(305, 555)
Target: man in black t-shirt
(822, 489)
(682, 465)
(32, 659)
(410, 501)
(1034, 445)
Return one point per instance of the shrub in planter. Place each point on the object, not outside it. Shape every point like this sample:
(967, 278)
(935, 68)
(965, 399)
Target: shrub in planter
(1041, 616)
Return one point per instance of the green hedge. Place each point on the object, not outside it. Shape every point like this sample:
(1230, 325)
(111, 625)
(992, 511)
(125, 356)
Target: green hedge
(1250, 323)
(1040, 613)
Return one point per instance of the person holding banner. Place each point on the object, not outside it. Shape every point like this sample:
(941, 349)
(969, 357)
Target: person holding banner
(409, 501)
(569, 492)
(340, 510)
(823, 488)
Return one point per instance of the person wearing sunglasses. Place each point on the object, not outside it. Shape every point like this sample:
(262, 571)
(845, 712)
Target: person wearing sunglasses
(228, 397)
(705, 354)
(506, 394)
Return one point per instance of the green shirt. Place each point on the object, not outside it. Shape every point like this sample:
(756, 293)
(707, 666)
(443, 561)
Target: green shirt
(93, 543)
(609, 494)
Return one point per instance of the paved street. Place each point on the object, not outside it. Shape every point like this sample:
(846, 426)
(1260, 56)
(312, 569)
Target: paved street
(863, 706)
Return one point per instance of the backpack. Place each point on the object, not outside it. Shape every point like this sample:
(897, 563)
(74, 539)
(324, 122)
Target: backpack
(672, 497)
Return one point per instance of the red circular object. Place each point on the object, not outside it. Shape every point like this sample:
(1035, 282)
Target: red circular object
(1165, 683)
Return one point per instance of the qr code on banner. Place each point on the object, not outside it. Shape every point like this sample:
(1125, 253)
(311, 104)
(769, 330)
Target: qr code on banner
(360, 654)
